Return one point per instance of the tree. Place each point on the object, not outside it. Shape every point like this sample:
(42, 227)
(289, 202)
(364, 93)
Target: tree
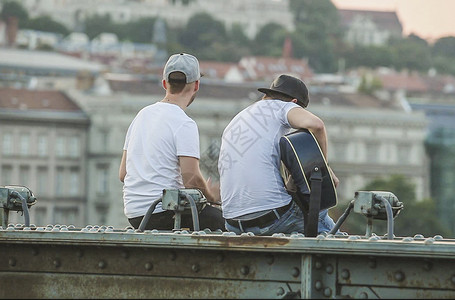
(417, 217)
(318, 33)
(45, 23)
(200, 35)
(140, 31)
(13, 9)
(410, 53)
(444, 47)
(98, 24)
(269, 40)
(443, 52)
(12, 13)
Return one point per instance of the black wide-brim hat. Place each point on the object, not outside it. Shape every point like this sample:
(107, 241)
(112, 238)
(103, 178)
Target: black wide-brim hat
(290, 86)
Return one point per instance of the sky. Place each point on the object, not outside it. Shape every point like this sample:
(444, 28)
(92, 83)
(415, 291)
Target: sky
(429, 19)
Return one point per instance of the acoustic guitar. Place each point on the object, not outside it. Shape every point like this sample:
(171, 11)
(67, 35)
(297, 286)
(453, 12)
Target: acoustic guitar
(301, 155)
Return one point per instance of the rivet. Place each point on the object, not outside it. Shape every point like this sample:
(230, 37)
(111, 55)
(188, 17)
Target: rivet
(399, 276)
(419, 236)
(327, 292)
(345, 274)
(427, 266)
(438, 237)
(35, 251)
(56, 263)
(270, 259)
(245, 270)
(125, 254)
(372, 263)
(102, 264)
(12, 262)
(79, 253)
(195, 268)
(295, 272)
(220, 257)
(329, 269)
(318, 285)
(280, 291)
(318, 265)
(148, 266)
(172, 256)
(363, 295)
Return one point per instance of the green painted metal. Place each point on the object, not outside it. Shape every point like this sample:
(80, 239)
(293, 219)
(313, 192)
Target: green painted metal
(103, 262)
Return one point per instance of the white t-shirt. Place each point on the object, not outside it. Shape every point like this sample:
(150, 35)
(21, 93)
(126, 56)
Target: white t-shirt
(249, 162)
(157, 136)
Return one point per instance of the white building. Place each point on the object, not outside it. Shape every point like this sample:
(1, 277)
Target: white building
(251, 14)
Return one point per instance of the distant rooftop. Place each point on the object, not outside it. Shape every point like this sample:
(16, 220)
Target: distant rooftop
(246, 91)
(39, 104)
(41, 62)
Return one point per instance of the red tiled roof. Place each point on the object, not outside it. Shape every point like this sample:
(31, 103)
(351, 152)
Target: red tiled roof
(36, 99)
(268, 68)
(214, 69)
(408, 82)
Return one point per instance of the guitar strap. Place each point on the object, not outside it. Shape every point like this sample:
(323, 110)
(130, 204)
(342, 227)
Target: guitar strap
(312, 217)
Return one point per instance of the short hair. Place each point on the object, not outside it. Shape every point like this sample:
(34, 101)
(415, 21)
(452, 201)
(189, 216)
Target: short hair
(279, 96)
(177, 82)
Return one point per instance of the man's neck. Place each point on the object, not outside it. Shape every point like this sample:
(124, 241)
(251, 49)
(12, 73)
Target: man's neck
(182, 103)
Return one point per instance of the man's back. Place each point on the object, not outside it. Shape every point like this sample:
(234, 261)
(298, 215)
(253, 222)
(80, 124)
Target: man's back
(157, 136)
(249, 159)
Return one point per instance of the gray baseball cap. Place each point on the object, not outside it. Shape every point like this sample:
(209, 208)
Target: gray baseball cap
(185, 63)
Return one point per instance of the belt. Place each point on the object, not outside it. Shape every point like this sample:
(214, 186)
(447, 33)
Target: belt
(261, 221)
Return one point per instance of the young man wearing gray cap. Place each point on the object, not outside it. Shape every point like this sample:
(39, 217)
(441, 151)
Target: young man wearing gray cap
(161, 151)
(253, 194)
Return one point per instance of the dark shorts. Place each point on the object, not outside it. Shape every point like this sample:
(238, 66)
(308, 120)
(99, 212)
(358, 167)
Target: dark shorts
(210, 217)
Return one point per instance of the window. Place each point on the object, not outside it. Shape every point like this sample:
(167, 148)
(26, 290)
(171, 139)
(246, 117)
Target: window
(7, 145)
(40, 218)
(65, 215)
(341, 151)
(372, 154)
(42, 181)
(60, 146)
(24, 144)
(59, 181)
(102, 179)
(42, 145)
(24, 175)
(404, 153)
(6, 176)
(74, 182)
(74, 146)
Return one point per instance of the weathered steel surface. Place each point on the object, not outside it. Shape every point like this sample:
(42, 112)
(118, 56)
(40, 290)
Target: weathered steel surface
(100, 262)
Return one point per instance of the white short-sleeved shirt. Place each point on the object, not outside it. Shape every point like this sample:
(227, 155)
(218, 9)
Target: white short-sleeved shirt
(157, 136)
(249, 162)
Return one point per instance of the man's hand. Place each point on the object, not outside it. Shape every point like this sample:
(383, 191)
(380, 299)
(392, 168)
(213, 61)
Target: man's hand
(335, 179)
(215, 190)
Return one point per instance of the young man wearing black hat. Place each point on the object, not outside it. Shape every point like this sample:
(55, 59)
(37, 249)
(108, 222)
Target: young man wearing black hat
(161, 151)
(253, 195)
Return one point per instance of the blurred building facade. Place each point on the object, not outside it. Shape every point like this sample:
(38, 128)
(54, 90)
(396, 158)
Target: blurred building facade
(175, 12)
(43, 142)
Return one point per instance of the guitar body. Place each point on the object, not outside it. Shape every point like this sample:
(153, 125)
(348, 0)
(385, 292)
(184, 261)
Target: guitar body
(300, 155)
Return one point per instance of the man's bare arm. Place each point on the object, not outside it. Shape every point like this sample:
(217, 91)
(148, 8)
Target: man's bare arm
(302, 118)
(192, 178)
(122, 169)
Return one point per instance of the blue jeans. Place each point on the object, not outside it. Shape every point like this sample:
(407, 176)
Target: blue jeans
(291, 222)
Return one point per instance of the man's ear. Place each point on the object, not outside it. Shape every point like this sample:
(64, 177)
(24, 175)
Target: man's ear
(196, 85)
(294, 100)
(164, 83)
